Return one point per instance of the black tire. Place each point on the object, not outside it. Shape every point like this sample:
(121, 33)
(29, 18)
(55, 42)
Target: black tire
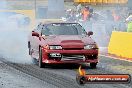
(93, 65)
(41, 65)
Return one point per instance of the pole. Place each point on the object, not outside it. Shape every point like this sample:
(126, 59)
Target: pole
(35, 8)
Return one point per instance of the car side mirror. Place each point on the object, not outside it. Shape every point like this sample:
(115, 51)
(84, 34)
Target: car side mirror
(90, 33)
(35, 34)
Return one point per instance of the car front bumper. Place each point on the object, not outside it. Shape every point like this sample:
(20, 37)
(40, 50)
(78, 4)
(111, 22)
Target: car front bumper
(91, 56)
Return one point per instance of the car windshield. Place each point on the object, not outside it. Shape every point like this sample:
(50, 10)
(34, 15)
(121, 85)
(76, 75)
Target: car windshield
(63, 29)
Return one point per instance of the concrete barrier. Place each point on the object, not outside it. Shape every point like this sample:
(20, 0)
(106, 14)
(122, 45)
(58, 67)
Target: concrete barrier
(121, 44)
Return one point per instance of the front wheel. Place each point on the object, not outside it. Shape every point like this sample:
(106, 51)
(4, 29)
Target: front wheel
(93, 65)
(41, 64)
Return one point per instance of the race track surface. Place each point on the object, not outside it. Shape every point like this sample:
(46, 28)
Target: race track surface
(64, 76)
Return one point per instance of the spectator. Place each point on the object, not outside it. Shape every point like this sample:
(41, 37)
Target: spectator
(115, 16)
(85, 13)
(91, 12)
(129, 23)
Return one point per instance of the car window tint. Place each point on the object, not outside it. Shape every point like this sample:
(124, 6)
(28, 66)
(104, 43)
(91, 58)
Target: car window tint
(63, 29)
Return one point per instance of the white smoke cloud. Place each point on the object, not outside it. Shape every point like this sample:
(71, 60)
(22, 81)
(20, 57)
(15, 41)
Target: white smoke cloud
(13, 39)
(3, 4)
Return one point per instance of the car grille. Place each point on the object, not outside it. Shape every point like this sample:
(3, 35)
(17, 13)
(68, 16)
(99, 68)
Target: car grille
(73, 57)
(91, 57)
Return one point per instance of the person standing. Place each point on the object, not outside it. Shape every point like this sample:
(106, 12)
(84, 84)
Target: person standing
(129, 23)
(85, 13)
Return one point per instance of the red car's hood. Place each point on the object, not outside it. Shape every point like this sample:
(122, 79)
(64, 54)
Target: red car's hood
(66, 40)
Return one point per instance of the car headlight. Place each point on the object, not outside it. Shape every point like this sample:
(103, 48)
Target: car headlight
(91, 47)
(55, 47)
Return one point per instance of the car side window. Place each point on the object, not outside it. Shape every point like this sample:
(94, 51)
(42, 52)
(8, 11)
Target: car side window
(45, 31)
(38, 28)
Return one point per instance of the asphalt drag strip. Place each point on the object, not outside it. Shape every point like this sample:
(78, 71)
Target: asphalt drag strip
(63, 76)
(41, 74)
(12, 78)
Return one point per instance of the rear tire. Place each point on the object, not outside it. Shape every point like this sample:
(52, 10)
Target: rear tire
(93, 65)
(41, 64)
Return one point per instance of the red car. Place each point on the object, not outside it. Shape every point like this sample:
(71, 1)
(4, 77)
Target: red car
(61, 42)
